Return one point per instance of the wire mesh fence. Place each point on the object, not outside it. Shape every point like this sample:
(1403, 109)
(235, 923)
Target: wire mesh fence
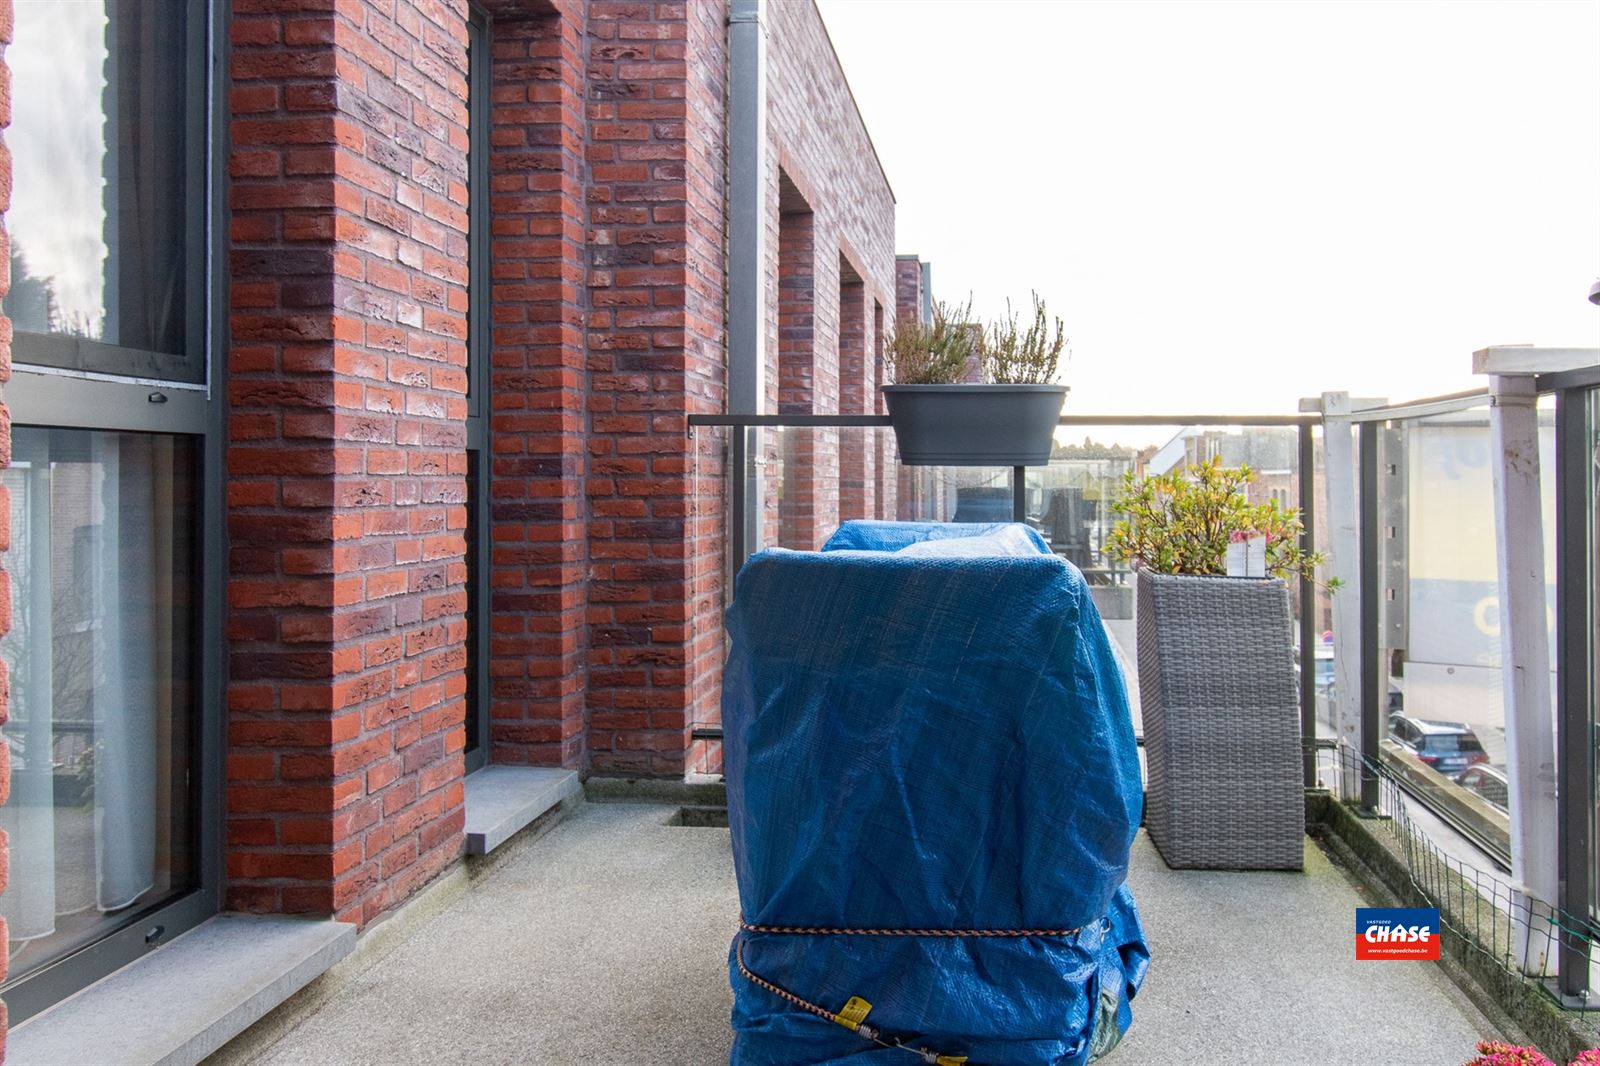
(1487, 917)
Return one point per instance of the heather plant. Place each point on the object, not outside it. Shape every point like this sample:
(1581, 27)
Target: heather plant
(935, 353)
(1182, 522)
(1016, 356)
(1495, 1053)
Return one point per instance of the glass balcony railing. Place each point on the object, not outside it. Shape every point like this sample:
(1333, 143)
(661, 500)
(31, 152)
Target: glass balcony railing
(806, 475)
(1405, 505)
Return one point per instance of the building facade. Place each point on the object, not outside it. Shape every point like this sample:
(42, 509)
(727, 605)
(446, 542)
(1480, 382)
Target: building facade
(351, 347)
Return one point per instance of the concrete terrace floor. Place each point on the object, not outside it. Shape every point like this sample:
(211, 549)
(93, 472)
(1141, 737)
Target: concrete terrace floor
(606, 941)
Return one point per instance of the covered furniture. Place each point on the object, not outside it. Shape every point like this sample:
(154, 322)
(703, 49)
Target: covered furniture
(933, 787)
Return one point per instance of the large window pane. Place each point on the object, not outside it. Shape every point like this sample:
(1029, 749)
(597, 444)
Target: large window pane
(106, 151)
(103, 591)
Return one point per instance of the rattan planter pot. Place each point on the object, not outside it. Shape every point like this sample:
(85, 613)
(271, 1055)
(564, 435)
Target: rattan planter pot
(974, 425)
(1221, 718)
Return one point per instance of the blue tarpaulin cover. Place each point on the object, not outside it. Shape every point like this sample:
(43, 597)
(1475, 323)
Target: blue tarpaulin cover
(926, 728)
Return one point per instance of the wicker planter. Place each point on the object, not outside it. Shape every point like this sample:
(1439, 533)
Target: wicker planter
(1221, 722)
(974, 425)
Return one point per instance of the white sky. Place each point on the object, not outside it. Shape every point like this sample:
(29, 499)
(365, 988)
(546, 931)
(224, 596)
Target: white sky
(1234, 205)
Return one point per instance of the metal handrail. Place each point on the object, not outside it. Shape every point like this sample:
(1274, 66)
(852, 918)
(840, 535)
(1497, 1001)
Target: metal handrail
(734, 421)
(1432, 405)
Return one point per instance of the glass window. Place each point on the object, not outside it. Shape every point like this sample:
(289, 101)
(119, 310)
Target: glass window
(103, 579)
(106, 268)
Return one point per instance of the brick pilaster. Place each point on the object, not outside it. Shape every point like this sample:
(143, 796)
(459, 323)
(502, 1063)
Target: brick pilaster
(346, 462)
(858, 460)
(540, 385)
(656, 354)
(907, 288)
(885, 479)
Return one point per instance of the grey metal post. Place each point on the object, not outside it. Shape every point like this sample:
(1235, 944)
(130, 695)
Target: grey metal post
(1019, 494)
(739, 493)
(1533, 760)
(1308, 600)
(747, 212)
(1372, 693)
(1343, 523)
(1575, 677)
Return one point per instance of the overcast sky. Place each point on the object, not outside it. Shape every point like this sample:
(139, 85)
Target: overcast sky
(1237, 204)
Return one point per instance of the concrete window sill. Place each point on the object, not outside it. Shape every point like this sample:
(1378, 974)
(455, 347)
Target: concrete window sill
(502, 800)
(183, 1001)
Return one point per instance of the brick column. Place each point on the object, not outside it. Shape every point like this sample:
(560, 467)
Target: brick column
(705, 376)
(657, 353)
(885, 479)
(908, 308)
(346, 460)
(808, 383)
(5, 498)
(907, 288)
(857, 395)
(538, 421)
(797, 341)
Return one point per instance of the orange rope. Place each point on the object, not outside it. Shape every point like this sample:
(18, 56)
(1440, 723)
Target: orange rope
(809, 930)
(869, 1032)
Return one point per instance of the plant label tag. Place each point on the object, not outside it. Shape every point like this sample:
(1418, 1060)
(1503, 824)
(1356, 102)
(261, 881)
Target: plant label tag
(1247, 557)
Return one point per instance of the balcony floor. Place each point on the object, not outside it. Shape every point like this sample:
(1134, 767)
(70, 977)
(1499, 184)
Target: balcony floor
(606, 942)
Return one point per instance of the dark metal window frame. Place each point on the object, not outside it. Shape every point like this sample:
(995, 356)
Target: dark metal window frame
(53, 396)
(88, 355)
(479, 29)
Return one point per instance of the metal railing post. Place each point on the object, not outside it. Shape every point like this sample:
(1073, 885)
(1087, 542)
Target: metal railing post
(747, 251)
(1019, 494)
(739, 494)
(1308, 601)
(1372, 671)
(1575, 678)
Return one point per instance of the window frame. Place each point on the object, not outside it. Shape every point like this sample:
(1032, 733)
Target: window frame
(85, 355)
(77, 398)
(479, 342)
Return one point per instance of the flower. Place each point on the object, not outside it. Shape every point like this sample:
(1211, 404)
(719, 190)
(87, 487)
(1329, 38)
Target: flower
(1494, 1053)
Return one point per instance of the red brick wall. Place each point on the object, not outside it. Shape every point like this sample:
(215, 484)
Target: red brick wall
(346, 392)
(885, 480)
(821, 158)
(656, 354)
(540, 386)
(5, 460)
(857, 396)
(907, 288)
(705, 340)
(808, 383)
(912, 499)
(346, 463)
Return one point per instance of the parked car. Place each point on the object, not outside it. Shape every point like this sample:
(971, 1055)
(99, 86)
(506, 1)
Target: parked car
(1325, 680)
(1488, 783)
(1448, 747)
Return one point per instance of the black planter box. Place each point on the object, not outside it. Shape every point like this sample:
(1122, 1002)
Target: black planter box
(975, 425)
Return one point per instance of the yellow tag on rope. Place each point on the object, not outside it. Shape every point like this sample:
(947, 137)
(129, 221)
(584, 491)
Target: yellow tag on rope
(950, 1060)
(853, 1013)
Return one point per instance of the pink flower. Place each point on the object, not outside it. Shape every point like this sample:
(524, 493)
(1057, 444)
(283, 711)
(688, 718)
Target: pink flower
(1494, 1053)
